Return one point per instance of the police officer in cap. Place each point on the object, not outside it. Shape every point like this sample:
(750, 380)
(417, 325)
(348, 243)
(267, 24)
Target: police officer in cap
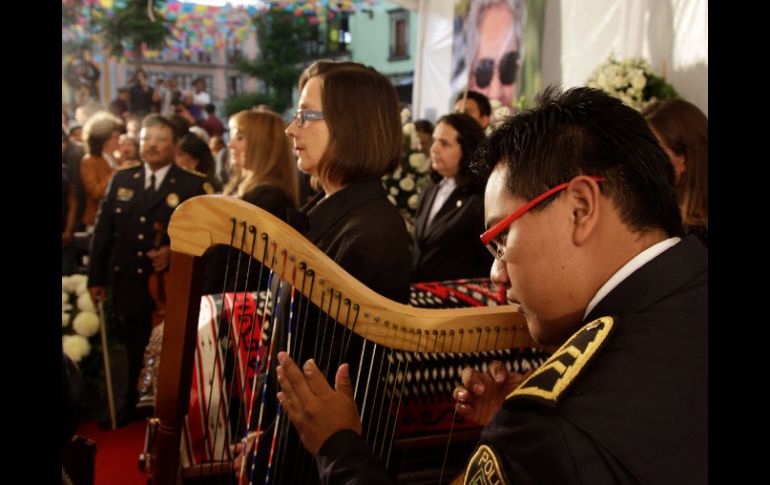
(124, 252)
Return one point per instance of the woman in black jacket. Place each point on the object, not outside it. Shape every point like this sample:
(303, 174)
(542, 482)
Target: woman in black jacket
(347, 134)
(450, 212)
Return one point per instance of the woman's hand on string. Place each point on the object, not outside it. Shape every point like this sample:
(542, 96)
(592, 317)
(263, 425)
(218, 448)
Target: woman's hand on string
(315, 409)
(482, 395)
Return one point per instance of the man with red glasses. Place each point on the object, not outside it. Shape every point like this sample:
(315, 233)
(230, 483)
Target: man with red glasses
(585, 228)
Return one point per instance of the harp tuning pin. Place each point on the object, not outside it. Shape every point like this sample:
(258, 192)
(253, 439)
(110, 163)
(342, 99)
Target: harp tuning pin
(321, 281)
(302, 265)
(292, 258)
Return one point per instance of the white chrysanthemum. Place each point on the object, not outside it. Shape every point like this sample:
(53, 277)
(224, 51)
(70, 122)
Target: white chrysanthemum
(392, 200)
(406, 115)
(501, 113)
(417, 160)
(407, 183)
(81, 288)
(495, 103)
(412, 202)
(393, 191)
(397, 172)
(638, 81)
(65, 319)
(65, 298)
(78, 278)
(67, 284)
(414, 141)
(86, 324)
(85, 304)
(75, 346)
(408, 129)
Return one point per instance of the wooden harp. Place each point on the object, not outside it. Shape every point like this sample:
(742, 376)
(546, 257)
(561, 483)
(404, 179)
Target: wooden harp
(354, 311)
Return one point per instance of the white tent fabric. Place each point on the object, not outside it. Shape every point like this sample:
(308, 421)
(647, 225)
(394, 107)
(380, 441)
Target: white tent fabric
(577, 37)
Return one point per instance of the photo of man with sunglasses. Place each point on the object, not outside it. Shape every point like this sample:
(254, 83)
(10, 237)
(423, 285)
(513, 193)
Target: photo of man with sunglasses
(494, 47)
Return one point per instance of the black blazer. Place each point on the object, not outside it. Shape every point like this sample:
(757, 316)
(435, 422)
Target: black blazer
(364, 233)
(450, 247)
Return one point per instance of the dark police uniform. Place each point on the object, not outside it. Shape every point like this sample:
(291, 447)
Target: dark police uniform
(625, 400)
(122, 236)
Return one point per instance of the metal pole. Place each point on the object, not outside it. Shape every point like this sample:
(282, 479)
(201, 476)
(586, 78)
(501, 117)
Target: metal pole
(107, 367)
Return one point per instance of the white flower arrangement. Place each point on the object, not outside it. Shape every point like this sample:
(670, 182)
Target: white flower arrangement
(411, 176)
(630, 80)
(85, 304)
(79, 321)
(76, 347)
(86, 324)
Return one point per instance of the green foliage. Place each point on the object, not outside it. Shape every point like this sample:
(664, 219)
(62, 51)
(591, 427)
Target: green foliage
(129, 26)
(658, 88)
(281, 37)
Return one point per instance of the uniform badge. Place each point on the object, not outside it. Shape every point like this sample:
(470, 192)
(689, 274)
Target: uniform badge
(172, 200)
(553, 378)
(125, 194)
(208, 188)
(459, 203)
(137, 175)
(484, 468)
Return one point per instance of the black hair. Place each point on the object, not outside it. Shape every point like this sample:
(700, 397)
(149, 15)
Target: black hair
(584, 131)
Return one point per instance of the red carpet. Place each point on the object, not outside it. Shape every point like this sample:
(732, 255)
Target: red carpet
(117, 453)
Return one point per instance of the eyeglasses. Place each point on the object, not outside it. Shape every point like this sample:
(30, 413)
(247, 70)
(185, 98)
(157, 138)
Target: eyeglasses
(302, 116)
(492, 239)
(506, 69)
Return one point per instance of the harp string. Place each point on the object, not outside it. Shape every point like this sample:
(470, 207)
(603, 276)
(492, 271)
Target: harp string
(260, 352)
(216, 361)
(273, 332)
(232, 353)
(256, 328)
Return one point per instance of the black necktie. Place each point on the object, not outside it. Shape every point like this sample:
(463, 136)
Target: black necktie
(151, 189)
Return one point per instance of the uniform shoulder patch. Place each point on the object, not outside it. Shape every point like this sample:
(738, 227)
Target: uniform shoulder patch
(129, 166)
(484, 468)
(550, 381)
(194, 172)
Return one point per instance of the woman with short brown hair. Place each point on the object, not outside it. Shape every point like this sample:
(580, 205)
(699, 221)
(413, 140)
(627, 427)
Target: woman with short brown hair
(347, 133)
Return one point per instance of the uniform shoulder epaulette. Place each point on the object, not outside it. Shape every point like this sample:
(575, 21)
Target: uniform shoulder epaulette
(129, 166)
(553, 378)
(194, 172)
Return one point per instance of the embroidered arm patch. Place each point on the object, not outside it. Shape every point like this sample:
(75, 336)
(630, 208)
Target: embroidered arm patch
(484, 468)
(548, 382)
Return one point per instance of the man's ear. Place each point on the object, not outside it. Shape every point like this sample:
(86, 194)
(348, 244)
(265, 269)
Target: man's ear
(584, 198)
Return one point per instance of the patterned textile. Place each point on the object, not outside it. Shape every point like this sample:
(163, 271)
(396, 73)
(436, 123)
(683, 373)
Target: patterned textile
(427, 406)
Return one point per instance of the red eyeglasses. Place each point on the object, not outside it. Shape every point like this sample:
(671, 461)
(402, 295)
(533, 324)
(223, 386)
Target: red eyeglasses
(491, 237)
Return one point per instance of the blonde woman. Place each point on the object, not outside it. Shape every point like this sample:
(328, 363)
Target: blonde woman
(265, 171)
(265, 176)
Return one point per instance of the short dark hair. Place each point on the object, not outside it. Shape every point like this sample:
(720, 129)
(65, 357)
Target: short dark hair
(199, 150)
(210, 108)
(156, 119)
(360, 107)
(584, 131)
(424, 126)
(485, 107)
(469, 136)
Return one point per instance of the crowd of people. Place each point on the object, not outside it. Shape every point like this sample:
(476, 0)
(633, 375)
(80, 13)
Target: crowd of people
(584, 206)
